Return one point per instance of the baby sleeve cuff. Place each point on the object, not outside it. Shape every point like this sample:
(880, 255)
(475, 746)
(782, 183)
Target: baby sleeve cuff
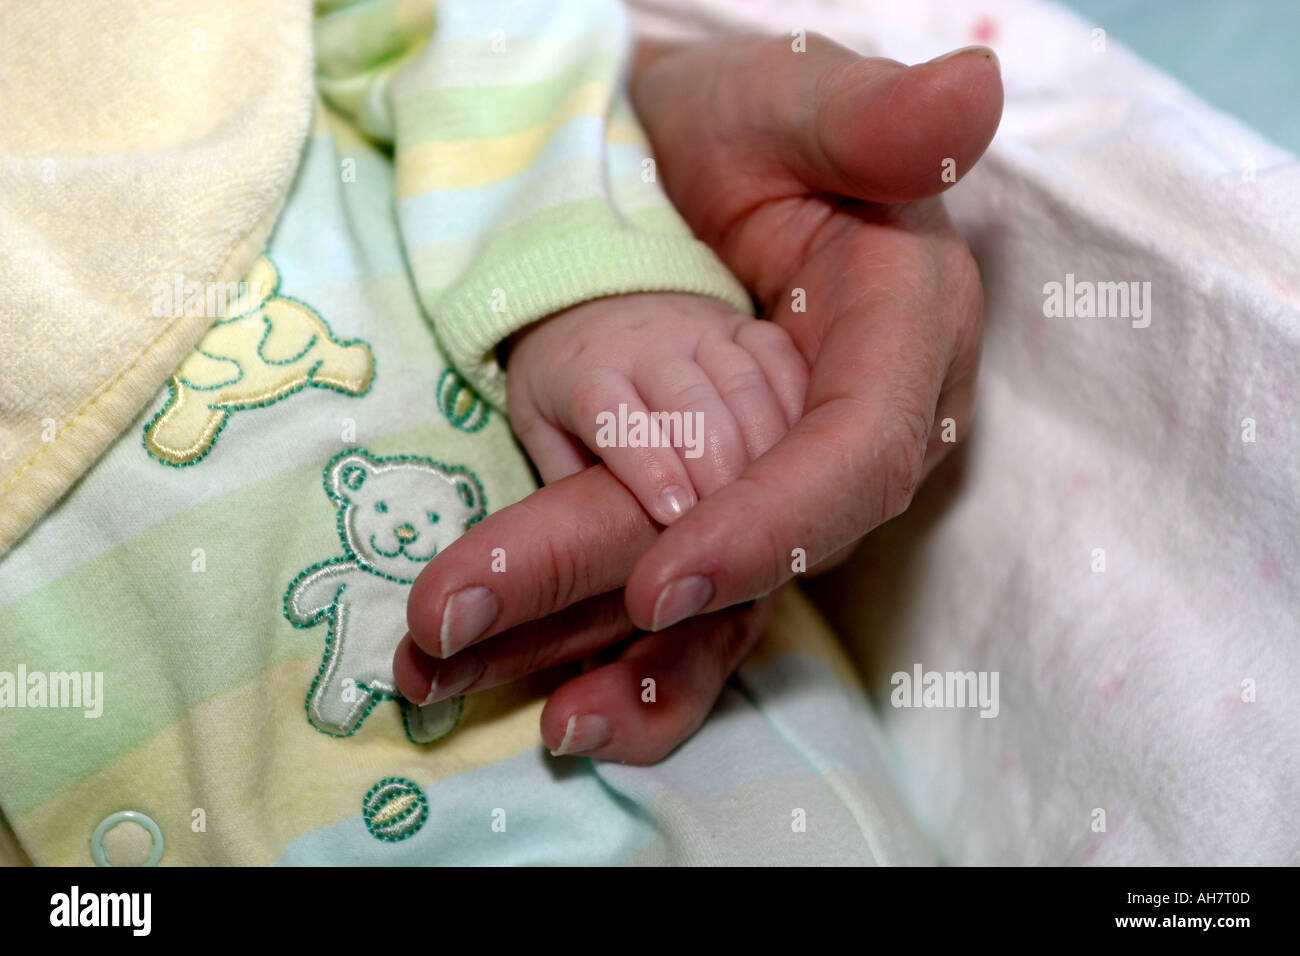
(472, 318)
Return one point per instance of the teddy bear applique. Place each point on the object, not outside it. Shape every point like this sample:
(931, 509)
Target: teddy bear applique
(269, 347)
(394, 514)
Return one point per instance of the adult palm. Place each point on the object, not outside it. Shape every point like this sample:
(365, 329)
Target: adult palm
(813, 175)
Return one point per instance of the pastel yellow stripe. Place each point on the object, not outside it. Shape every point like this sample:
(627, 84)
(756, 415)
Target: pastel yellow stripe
(320, 117)
(797, 626)
(415, 17)
(624, 127)
(11, 854)
(264, 777)
(461, 164)
(620, 131)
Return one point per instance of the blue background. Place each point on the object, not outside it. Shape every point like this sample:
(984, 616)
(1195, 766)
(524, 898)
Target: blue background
(1241, 55)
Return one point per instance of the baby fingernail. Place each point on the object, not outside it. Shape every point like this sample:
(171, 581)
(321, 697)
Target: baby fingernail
(584, 733)
(680, 600)
(453, 676)
(469, 612)
(674, 502)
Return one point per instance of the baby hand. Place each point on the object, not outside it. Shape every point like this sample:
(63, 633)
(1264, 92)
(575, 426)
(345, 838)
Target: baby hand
(675, 393)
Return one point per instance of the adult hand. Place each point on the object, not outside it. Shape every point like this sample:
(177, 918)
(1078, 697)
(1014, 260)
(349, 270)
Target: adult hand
(811, 175)
(569, 547)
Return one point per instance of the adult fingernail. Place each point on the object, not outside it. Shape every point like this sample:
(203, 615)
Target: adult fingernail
(673, 503)
(583, 734)
(681, 599)
(983, 51)
(453, 676)
(469, 612)
(421, 673)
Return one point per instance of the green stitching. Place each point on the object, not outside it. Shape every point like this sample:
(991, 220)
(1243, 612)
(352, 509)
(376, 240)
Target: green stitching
(451, 391)
(239, 373)
(423, 459)
(406, 822)
(351, 469)
(376, 695)
(311, 344)
(329, 648)
(211, 418)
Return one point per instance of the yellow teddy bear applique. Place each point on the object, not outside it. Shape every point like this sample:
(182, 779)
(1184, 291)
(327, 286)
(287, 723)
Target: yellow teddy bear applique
(268, 348)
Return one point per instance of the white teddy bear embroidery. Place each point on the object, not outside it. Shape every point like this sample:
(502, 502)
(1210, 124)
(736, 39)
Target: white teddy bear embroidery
(394, 515)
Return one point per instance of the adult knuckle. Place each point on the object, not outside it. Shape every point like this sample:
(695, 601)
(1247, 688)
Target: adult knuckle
(531, 655)
(739, 632)
(763, 560)
(902, 460)
(564, 572)
(966, 291)
(558, 568)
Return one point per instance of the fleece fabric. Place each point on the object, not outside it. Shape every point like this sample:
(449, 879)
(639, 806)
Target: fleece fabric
(1117, 539)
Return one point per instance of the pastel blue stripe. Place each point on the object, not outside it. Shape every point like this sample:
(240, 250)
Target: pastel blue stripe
(580, 139)
(329, 219)
(557, 812)
(581, 812)
(462, 20)
(743, 744)
(807, 704)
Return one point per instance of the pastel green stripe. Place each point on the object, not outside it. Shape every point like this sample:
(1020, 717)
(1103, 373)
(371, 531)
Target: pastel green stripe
(348, 95)
(465, 112)
(579, 217)
(446, 261)
(324, 8)
(645, 204)
(440, 264)
(442, 261)
(527, 59)
(363, 37)
(164, 656)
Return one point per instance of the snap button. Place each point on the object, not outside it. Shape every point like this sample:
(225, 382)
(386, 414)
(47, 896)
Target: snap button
(127, 838)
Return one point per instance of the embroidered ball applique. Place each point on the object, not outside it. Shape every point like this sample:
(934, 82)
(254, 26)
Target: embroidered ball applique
(394, 809)
(460, 404)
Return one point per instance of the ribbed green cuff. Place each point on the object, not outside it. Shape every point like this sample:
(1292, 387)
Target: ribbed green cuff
(473, 317)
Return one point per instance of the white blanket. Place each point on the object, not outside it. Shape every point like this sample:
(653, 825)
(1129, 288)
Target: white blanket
(1120, 537)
